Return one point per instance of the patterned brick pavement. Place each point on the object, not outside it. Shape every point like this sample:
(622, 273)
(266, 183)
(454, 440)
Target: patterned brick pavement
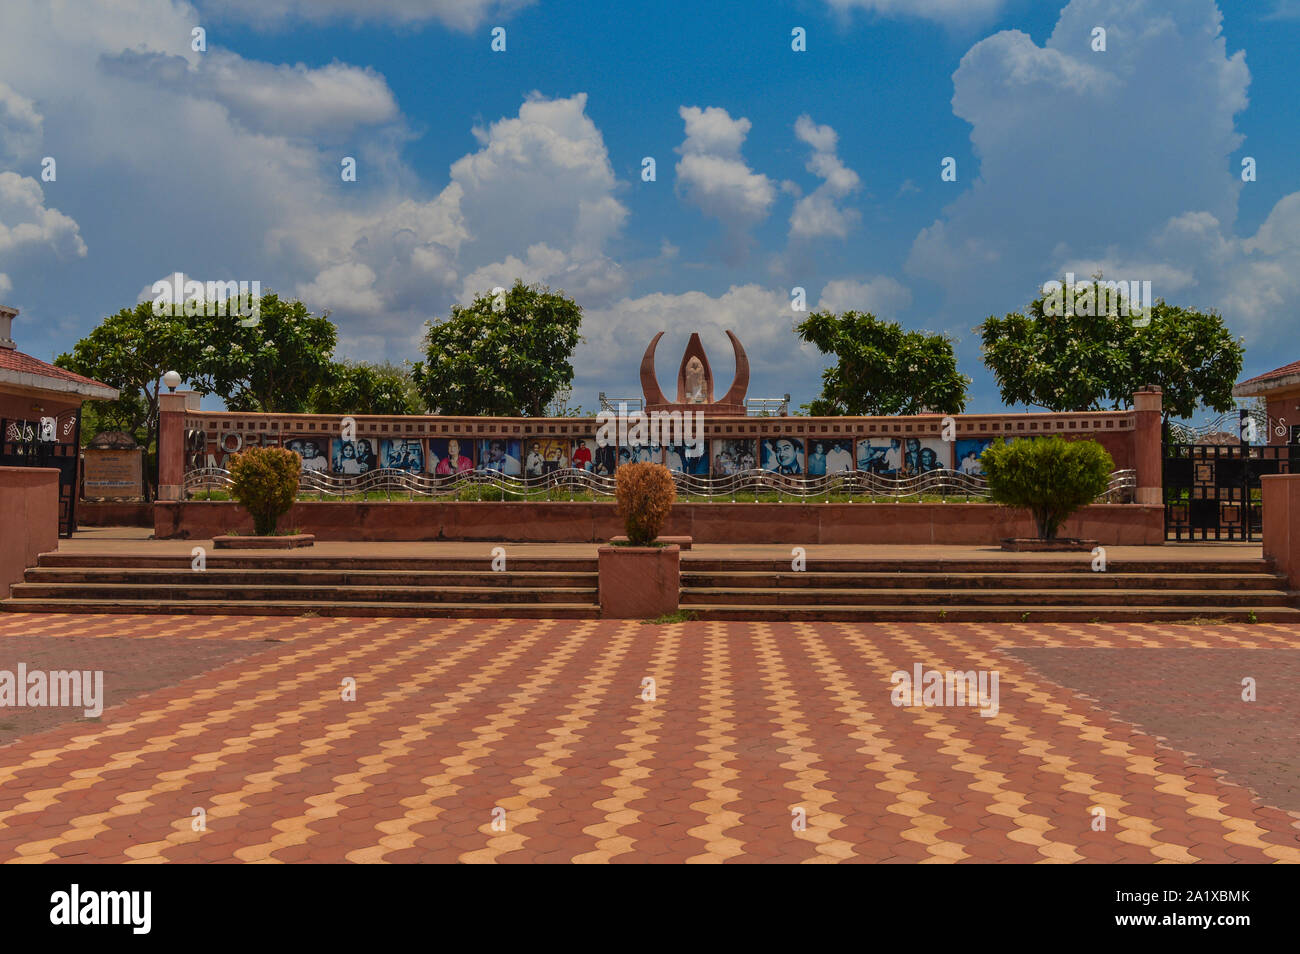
(543, 726)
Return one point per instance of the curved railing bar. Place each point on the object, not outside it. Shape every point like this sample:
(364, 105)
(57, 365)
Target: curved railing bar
(940, 482)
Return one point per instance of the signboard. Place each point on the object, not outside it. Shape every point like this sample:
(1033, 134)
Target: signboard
(112, 473)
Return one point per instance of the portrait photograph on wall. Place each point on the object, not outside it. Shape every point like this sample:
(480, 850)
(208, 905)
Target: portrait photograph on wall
(968, 455)
(501, 455)
(450, 455)
(584, 454)
(311, 451)
(733, 456)
(676, 458)
(348, 458)
(881, 455)
(545, 456)
(403, 453)
(829, 456)
(636, 454)
(604, 460)
(924, 454)
(783, 455)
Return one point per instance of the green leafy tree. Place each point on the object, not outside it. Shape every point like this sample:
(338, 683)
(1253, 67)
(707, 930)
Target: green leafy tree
(1048, 476)
(270, 364)
(130, 351)
(507, 354)
(1092, 355)
(881, 369)
(357, 387)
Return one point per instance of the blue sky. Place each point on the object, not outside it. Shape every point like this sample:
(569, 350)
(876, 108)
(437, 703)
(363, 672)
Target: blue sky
(775, 168)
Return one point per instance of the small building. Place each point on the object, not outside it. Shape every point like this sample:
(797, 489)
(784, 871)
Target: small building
(40, 415)
(1281, 389)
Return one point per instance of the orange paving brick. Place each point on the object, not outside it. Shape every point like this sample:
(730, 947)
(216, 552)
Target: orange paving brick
(531, 741)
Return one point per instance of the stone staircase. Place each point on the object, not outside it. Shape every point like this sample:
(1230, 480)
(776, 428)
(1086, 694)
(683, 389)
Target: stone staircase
(1041, 590)
(1011, 590)
(560, 588)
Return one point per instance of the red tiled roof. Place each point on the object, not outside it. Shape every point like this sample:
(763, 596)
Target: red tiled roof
(11, 360)
(1282, 372)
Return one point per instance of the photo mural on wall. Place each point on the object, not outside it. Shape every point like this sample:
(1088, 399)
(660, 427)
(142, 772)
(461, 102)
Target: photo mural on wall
(501, 455)
(924, 454)
(968, 455)
(545, 456)
(829, 456)
(312, 452)
(450, 455)
(782, 455)
(403, 453)
(676, 457)
(585, 452)
(733, 456)
(348, 458)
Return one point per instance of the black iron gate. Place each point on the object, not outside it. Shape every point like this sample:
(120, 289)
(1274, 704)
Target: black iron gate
(1212, 491)
(35, 443)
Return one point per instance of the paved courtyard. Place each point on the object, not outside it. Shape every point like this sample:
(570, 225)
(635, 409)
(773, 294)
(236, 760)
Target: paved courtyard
(528, 741)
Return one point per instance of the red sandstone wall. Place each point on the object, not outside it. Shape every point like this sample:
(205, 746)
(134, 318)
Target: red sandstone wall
(1281, 505)
(114, 514)
(886, 523)
(29, 519)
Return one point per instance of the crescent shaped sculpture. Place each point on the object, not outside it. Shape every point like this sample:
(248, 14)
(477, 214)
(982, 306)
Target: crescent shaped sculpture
(654, 395)
(740, 383)
(649, 382)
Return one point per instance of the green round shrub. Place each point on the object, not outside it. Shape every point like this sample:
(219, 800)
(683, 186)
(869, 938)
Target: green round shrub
(265, 481)
(1048, 476)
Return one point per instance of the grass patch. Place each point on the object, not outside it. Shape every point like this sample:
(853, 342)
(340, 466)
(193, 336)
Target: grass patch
(681, 616)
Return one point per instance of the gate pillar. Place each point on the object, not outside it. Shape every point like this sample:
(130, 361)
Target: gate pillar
(1147, 421)
(171, 445)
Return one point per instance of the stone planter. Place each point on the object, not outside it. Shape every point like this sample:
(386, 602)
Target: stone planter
(289, 542)
(639, 582)
(1039, 545)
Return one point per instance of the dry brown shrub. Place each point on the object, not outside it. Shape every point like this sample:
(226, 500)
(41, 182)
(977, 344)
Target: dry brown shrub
(645, 494)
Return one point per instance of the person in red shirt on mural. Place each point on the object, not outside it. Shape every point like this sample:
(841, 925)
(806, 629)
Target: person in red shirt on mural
(581, 458)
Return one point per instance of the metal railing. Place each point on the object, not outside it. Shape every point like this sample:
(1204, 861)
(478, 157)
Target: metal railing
(768, 407)
(570, 483)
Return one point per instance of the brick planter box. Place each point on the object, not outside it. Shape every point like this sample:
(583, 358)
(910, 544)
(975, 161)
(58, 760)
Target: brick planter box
(639, 582)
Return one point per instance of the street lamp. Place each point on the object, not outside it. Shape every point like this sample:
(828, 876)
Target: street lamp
(172, 380)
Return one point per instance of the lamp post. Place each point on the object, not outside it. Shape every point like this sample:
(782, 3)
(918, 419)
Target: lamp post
(172, 380)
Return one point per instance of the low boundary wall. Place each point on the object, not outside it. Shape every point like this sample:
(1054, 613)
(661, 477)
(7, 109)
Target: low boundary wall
(590, 522)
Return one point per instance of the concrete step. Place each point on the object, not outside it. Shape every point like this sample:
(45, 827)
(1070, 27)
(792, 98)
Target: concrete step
(294, 560)
(64, 593)
(994, 580)
(964, 613)
(311, 608)
(303, 577)
(1012, 563)
(1024, 598)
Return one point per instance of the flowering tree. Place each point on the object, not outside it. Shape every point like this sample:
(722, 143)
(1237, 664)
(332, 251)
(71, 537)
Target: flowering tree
(506, 353)
(270, 364)
(1090, 357)
(882, 369)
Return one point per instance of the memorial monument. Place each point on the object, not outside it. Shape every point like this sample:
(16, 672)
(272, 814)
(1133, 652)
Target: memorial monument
(695, 381)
